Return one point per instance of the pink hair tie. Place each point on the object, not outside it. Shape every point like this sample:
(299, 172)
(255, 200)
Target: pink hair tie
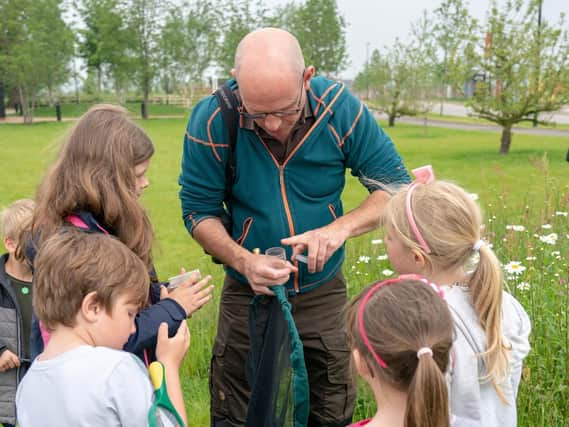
(370, 293)
(424, 175)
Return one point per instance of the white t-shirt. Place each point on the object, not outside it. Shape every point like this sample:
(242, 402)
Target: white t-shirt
(85, 387)
(473, 401)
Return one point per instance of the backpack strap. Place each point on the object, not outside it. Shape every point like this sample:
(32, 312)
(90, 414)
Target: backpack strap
(229, 113)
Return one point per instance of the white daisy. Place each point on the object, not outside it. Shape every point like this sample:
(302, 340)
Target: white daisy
(387, 272)
(550, 239)
(364, 258)
(514, 267)
(474, 196)
(559, 213)
(376, 242)
(381, 257)
(530, 258)
(546, 226)
(523, 286)
(515, 227)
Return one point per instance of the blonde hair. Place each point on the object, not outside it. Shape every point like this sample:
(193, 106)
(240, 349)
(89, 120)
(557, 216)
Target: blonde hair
(94, 172)
(399, 319)
(450, 222)
(16, 218)
(71, 264)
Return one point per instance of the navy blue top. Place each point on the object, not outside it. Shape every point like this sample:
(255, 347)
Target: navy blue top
(147, 321)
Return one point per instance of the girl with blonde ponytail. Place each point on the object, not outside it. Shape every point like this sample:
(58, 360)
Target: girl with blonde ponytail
(433, 228)
(400, 332)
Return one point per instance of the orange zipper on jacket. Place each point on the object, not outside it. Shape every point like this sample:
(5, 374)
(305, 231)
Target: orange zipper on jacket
(289, 220)
(281, 174)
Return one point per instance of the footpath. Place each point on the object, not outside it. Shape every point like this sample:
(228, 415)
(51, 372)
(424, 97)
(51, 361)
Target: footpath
(481, 127)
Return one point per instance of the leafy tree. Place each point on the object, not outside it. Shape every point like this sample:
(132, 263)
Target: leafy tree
(144, 23)
(396, 82)
(239, 18)
(320, 29)
(187, 45)
(454, 32)
(525, 69)
(283, 16)
(104, 41)
(36, 48)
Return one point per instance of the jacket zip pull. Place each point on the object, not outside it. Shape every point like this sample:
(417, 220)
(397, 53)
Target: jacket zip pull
(291, 228)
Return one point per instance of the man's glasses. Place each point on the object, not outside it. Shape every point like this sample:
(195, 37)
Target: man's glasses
(279, 114)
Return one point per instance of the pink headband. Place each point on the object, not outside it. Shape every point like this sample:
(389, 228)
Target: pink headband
(424, 175)
(361, 308)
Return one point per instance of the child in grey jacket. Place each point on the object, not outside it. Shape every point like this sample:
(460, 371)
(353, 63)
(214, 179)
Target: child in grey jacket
(433, 228)
(15, 307)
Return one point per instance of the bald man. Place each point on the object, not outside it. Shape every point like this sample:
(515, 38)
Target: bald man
(297, 135)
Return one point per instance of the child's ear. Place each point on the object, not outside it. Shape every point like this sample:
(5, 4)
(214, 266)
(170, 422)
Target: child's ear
(10, 244)
(91, 309)
(419, 259)
(360, 364)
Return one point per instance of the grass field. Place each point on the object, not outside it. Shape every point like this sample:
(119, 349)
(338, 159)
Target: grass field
(529, 187)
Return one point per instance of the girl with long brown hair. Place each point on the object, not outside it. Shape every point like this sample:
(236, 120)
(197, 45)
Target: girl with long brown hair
(433, 228)
(95, 185)
(400, 332)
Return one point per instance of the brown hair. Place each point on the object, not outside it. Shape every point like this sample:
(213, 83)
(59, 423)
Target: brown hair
(94, 172)
(399, 319)
(450, 222)
(71, 264)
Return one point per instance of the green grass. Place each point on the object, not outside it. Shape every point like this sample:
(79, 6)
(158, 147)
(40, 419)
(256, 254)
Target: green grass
(527, 187)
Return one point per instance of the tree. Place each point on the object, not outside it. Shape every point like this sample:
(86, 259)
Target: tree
(144, 19)
(398, 82)
(283, 16)
(104, 40)
(187, 44)
(453, 32)
(36, 49)
(320, 29)
(240, 18)
(525, 69)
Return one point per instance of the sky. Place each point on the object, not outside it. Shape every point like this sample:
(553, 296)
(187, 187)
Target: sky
(380, 22)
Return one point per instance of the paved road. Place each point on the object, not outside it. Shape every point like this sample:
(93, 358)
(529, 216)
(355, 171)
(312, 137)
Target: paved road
(457, 109)
(477, 127)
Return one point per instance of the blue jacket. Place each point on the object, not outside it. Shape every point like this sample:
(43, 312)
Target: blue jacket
(271, 201)
(147, 321)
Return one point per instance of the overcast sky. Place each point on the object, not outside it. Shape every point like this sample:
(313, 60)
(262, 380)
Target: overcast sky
(379, 22)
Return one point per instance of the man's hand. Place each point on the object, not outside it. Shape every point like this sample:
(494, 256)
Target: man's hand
(263, 271)
(8, 360)
(320, 242)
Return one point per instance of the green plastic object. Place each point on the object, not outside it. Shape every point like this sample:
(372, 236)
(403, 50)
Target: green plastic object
(162, 412)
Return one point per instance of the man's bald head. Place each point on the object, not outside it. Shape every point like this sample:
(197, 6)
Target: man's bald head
(270, 73)
(271, 49)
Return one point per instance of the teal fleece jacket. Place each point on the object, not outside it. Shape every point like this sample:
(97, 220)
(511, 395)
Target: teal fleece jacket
(271, 201)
